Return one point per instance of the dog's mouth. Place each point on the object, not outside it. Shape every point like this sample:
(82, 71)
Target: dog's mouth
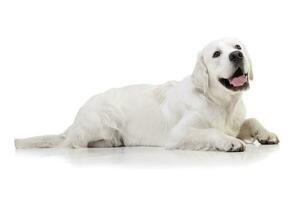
(238, 81)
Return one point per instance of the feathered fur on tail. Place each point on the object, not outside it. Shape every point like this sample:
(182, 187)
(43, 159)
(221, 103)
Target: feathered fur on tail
(47, 141)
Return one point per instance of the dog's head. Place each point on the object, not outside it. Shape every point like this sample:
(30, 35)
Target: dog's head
(223, 65)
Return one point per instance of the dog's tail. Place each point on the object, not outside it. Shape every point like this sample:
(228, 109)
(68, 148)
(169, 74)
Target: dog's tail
(47, 141)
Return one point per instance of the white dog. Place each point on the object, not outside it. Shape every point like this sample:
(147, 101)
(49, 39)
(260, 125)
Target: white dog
(204, 111)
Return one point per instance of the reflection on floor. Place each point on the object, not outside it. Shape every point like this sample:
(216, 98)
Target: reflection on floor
(152, 156)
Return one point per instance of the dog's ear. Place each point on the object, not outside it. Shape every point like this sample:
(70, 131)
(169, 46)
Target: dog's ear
(251, 72)
(200, 74)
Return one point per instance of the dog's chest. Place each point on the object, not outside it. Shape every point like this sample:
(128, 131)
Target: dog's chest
(227, 121)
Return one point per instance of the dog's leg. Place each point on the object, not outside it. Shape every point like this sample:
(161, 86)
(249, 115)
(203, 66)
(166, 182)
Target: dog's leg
(95, 135)
(185, 136)
(251, 130)
(209, 139)
(114, 139)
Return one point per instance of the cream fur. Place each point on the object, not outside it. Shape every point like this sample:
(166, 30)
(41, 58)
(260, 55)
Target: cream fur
(195, 113)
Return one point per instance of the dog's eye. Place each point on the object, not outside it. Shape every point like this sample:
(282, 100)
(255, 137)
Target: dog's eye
(238, 47)
(216, 54)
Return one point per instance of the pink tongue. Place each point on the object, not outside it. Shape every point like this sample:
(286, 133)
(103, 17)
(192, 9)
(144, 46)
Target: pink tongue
(238, 81)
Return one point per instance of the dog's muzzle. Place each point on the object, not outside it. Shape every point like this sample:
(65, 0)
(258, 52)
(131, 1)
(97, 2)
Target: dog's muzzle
(238, 81)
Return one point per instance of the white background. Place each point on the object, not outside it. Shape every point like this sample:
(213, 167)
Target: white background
(55, 54)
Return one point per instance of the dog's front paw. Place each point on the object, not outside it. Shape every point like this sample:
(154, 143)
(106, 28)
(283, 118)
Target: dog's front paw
(231, 145)
(266, 137)
(210, 140)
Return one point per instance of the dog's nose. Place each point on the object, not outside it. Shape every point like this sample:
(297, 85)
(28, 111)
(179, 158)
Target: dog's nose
(236, 56)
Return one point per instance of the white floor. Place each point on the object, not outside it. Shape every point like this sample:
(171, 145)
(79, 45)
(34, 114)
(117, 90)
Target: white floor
(151, 156)
(151, 173)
